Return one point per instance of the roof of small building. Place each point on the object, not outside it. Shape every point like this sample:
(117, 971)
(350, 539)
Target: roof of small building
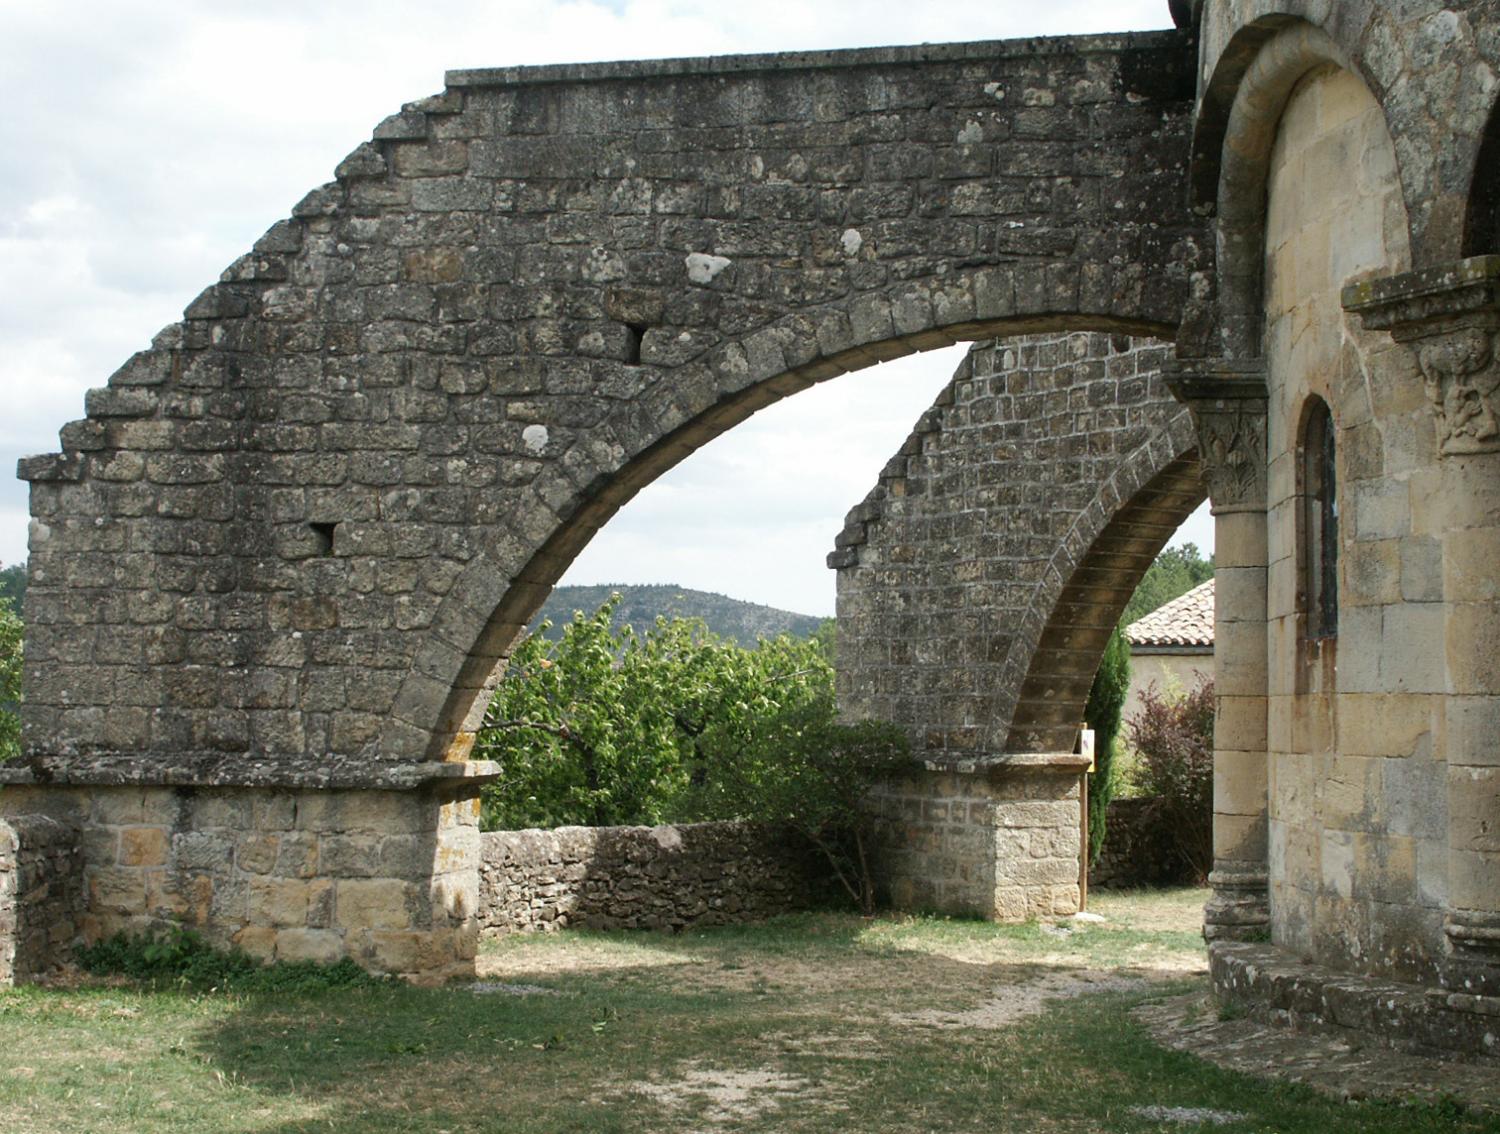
(1187, 620)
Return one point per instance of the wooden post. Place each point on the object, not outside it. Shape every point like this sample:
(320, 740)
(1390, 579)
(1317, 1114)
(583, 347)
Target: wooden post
(1086, 748)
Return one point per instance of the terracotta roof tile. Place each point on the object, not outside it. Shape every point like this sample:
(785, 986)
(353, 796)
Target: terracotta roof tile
(1187, 620)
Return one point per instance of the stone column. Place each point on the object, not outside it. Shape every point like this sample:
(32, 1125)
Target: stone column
(1228, 403)
(1450, 318)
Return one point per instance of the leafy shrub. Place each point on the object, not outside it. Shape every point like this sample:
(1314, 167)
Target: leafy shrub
(1174, 736)
(602, 727)
(10, 681)
(179, 957)
(800, 768)
(1105, 704)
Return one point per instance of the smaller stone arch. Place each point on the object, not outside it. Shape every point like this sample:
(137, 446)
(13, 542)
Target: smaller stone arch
(976, 591)
(1143, 512)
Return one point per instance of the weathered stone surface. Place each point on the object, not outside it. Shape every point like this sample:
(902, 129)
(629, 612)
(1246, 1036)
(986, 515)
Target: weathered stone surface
(41, 896)
(300, 531)
(980, 578)
(642, 877)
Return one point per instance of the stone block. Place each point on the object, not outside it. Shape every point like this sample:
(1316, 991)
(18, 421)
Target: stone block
(143, 846)
(278, 901)
(319, 946)
(376, 903)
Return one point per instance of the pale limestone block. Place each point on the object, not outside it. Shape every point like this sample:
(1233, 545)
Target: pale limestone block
(278, 901)
(143, 846)
(116, 889)
(259, 941)
(1473, 648)
(320, 946)
(1281, 589)
(1336, 861)
(1388, 724)
(1241, 838)
(374, 903)
(1473, 880)
(1381, 509)
(1471, 565)
(1352, 799)
(1411, 649)
(1278, 723)
(128, 806)
(214, 809)
(1360, 632)
(1473, 730)
(256, 854)
(274, 811)
(1239, 540)
(1240, 658)
(1414, 796)
(1239, 782)
(1312, 723)
(1239, 595)
(1295, 780)
(1302, 854)
(1432, 872)
(1240, 723)
(1370, 573)
(1474, 810)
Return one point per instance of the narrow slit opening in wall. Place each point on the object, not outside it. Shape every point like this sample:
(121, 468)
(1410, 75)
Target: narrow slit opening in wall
(323, 533)
(635, 332)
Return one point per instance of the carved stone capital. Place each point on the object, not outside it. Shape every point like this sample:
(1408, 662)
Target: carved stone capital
(1450, 317)
(1228, 403)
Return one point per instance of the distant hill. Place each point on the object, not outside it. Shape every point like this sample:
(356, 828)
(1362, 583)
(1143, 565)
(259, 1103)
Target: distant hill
(742, 622)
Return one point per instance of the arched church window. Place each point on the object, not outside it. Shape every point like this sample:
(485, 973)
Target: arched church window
(1320, 522)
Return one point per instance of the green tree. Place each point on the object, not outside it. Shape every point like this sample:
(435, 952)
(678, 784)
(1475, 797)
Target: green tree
(13, 584)
(1105, 704)
(603, 727)
(1175, 571)
(582, 735)
(10, 681)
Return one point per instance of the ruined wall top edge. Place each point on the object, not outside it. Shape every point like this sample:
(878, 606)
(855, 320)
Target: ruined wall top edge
(811, 60)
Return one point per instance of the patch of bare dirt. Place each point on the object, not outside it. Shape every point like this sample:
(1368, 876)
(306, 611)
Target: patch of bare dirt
(717, 1096)
(1009, 1003)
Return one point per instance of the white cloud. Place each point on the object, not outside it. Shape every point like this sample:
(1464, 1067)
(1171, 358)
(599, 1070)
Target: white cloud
(148, 144)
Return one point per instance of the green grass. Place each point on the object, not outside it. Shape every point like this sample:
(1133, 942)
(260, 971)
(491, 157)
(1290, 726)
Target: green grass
(813, 1019)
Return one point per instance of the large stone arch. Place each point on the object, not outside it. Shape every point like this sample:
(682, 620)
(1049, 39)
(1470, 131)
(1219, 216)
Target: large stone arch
(274, 565)
(452, 687)
(523, 299)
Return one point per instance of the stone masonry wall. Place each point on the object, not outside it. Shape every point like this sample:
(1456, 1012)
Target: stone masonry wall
(1137, 850)
(999, 842)
(978, 581)
(642, 877)
(387, 878)
(41, 895)
(303, 526)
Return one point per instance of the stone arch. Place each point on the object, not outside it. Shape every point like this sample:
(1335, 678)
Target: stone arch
(451, 685)
(976, 577)
(1284, 51)
(334, 491)
(1482, 219)
(1134, 516)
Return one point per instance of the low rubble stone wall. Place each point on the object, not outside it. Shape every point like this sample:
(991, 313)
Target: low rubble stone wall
(665, 877)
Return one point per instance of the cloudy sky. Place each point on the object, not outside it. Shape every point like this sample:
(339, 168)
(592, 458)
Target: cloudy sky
(146, 145)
